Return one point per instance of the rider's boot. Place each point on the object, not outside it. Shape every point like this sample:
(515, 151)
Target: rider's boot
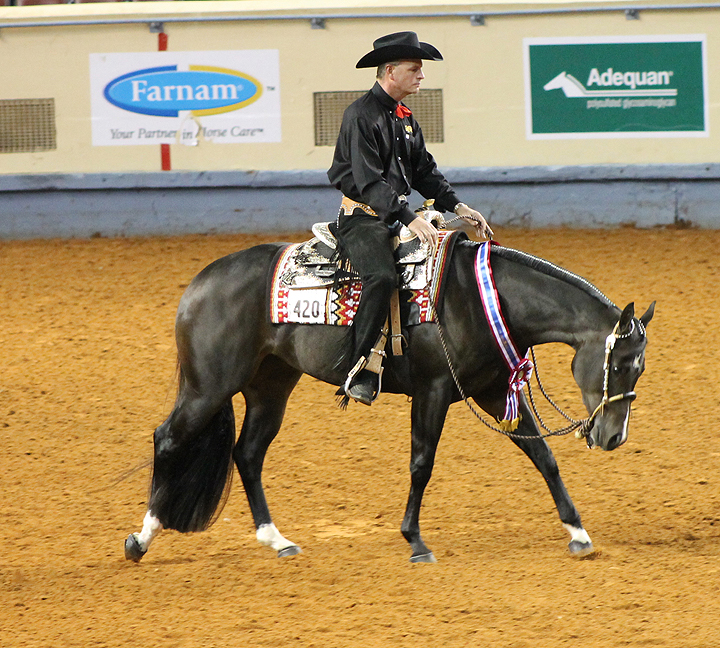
(365, 378)
(364, 387)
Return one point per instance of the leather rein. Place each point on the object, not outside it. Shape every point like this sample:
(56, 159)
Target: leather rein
(581, 427)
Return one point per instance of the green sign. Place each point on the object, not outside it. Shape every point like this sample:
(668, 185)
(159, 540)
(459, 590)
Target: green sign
(616, 87)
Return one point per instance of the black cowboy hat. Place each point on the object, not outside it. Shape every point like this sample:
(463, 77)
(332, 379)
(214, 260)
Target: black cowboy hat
(400, 46)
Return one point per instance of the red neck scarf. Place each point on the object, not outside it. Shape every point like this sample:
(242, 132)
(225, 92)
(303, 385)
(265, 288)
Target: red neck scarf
(402, 111)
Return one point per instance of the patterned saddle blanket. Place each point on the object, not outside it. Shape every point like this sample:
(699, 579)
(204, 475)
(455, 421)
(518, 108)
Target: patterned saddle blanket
(305, 290)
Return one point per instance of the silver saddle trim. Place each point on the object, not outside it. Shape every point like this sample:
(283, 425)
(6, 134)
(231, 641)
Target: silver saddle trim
(322, 232)
(310, 267)
(314, 264)
(408, 248)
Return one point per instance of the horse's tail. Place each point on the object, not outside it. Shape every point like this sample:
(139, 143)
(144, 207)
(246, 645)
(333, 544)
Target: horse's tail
(193, 471)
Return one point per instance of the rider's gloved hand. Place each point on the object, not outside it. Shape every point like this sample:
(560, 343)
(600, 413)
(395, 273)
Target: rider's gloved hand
(475, 218)
(425, 231)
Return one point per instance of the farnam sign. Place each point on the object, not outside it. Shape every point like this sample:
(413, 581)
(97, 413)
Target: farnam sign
(183, 97)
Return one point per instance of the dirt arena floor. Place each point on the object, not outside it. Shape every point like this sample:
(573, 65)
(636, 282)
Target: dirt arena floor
(87, 363)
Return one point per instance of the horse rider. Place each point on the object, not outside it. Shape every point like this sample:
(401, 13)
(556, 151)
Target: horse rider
(380, 156)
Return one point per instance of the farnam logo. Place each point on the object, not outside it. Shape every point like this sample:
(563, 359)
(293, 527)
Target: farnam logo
(165, 91)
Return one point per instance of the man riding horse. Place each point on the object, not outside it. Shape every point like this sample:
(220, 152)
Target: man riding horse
(227, 344)
(379, 158)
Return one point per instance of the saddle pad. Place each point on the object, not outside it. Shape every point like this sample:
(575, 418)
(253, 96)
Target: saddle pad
(337, 304)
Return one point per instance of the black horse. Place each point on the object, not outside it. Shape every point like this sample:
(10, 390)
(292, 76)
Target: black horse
(227, 344)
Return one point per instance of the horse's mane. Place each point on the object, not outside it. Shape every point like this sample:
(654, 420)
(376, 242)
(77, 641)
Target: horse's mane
(552, 270)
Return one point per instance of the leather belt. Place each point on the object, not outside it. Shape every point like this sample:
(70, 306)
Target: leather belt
(348, 206)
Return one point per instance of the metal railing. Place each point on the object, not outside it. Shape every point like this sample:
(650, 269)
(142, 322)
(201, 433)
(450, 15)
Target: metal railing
(318, 21)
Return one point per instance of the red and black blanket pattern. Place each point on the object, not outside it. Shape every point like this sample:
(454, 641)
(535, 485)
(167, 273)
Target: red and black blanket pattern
(337, 304)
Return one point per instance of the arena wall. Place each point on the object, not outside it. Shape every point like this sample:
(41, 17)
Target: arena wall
(79, 188)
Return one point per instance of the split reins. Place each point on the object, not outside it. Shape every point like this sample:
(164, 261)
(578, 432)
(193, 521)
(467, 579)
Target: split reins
(581, 427)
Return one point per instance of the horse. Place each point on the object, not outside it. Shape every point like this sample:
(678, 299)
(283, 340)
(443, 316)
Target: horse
(226, 344)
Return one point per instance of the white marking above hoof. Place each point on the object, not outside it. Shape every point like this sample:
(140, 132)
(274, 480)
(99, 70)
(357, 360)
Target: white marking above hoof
(151, 529)
(580, 543)
(578, 534)
(268, 536)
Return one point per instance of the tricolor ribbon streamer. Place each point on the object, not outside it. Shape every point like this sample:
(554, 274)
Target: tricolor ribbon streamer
(520, 368)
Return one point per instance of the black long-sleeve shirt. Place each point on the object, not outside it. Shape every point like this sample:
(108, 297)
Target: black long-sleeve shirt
(380, 156)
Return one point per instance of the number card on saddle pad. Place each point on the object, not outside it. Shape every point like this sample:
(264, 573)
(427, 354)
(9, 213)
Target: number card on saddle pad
(320, 300)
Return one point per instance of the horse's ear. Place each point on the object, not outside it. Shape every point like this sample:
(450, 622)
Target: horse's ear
(626, 319)
(648, 314)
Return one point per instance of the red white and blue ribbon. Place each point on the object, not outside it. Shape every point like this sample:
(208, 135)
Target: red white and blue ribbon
(520, 368)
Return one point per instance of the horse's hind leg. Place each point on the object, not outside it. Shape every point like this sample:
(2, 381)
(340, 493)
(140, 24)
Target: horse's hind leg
(191, 470)
(542, 457)
(265, 401)
(137, 544)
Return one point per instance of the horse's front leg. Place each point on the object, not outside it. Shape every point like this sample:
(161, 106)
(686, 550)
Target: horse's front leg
(542, 457)
(429, 409)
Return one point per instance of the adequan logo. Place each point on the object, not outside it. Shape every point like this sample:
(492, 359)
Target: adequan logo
(627, 84)
(165, 91)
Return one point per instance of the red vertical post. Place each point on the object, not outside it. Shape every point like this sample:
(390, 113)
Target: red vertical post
(164, 148)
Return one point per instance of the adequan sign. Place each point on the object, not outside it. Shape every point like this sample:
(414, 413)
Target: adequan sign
(634, 86)
(183, 97)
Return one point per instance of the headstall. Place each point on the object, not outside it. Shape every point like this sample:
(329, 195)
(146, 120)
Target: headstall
(610, 341)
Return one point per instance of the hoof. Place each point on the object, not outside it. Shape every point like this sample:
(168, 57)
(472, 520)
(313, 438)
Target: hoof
(424, 558)
(292, 550)
(581, 549)
(133, 550)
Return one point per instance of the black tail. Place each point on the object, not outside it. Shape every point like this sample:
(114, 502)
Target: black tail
(192, 476)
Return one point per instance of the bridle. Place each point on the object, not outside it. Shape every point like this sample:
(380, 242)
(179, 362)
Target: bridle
(610, 341)
(582, 427)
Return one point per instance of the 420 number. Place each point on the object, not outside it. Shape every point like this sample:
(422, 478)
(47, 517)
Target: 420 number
(306, 309)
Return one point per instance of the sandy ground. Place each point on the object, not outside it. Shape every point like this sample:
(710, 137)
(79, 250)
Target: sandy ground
(87, 367)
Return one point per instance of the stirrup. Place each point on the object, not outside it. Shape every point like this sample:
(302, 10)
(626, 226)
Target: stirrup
(365, 400)
(373, 364)
(373, 367)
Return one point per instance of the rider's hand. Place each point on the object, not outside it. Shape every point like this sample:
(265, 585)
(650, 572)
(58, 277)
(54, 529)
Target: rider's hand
(425, 231)
(475, 218)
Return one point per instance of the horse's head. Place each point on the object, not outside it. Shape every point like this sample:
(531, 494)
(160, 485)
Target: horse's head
(607, 374)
